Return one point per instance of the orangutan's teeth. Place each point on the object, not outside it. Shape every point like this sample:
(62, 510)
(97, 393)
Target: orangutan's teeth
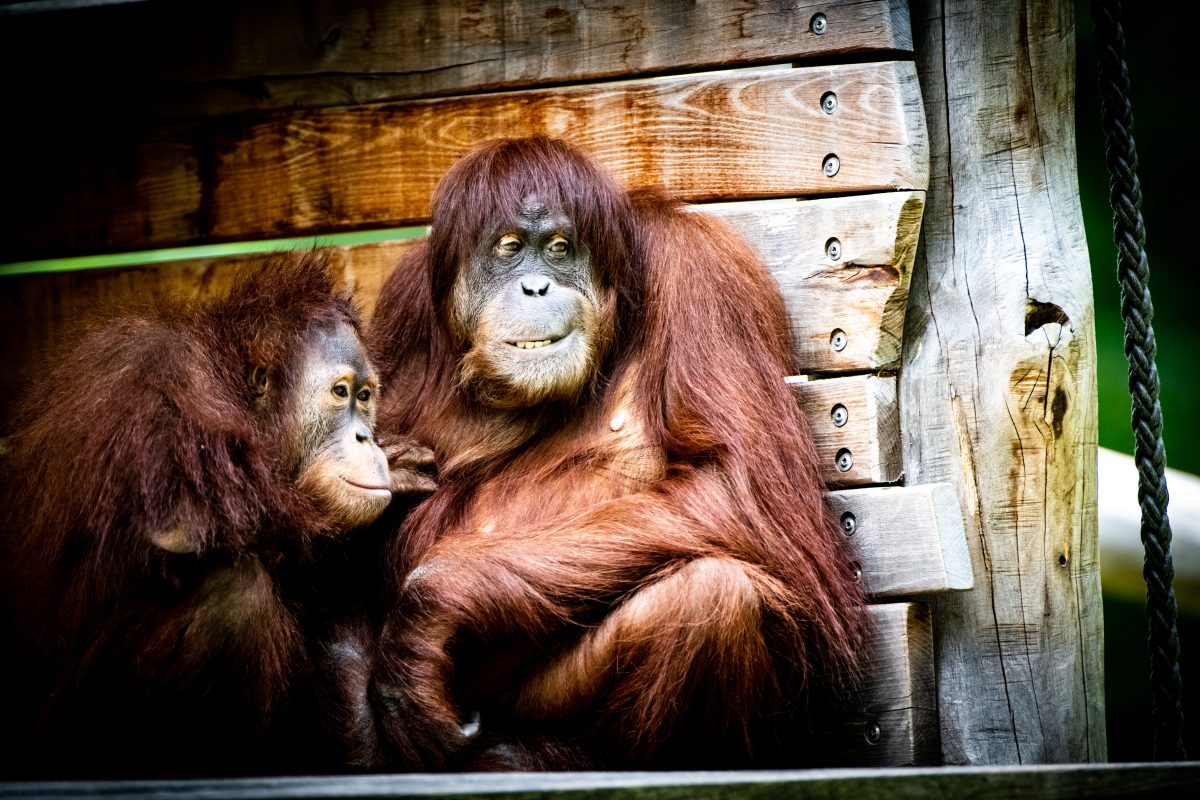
(533, 344)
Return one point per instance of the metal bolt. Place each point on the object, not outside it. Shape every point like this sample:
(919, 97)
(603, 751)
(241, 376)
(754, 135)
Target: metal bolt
(838, 339)
(833, 249)
(840, 415)
(873, 733)
(856, 571)
(845, 460)
(831, 166)
(829, 102)
(818, 24)
(849, 523)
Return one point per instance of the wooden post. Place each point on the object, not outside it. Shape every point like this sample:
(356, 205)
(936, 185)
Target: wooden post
(998, 384)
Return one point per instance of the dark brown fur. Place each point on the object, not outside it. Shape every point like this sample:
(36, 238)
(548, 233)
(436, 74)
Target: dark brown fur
(128, 658)
(656, 592)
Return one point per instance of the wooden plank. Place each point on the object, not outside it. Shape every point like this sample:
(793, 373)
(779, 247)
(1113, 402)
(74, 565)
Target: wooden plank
(39, 312)
(865, 449)
(277, 54)
(1062, 782)
(999, 384)
(863, 292)
(906, 540)
(730, 135)
(892, 719)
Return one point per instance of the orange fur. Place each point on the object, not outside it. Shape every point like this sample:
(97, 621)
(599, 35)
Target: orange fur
(657, 553)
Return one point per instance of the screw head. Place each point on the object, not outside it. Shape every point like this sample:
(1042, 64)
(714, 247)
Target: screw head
(844, 460)
(833, 249)
(818, 24)
(873, 733)
(849, 523)
(838, 339)
(840, 415)
(829, 102)
(856, 571)
(831, 165)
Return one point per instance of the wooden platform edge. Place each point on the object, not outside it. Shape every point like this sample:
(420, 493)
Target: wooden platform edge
(1048, 782)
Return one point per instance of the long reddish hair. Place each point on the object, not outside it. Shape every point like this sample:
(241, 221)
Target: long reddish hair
(703, 322)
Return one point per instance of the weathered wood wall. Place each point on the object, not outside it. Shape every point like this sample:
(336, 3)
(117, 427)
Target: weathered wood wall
(276, 119)
(998, 389)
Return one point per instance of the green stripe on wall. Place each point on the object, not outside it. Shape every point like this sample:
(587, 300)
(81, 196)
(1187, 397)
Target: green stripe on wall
(144, 257)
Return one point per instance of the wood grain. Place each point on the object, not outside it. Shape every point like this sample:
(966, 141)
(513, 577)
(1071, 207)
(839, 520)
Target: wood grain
(277, 54)
(870, 435)
(892, 720)
(729, 135)
(863, 292)
(1058, 782)
(999, 384)
(907, 540)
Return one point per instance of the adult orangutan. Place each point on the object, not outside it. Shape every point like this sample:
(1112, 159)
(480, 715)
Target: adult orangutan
(177, 582)
(629, 550)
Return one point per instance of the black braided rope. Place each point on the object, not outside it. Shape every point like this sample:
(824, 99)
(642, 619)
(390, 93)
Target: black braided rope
(1133, 270)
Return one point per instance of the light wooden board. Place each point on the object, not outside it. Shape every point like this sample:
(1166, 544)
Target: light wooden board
(870, 435)
(729, 135)
(274, 54)
(999, 384)
(1059, 782)
(892, 720)
(862, 292)
(907, 540)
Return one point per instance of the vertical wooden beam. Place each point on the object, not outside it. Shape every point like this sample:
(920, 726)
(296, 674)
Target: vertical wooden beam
(998, 384)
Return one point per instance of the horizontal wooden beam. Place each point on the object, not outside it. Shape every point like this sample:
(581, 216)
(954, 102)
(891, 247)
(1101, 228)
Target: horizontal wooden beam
(861, 294)
(741, 134)
(855, 424)
(274, 54)
(842, 264)
(892, 720)
(907, 540)
(1046, 782)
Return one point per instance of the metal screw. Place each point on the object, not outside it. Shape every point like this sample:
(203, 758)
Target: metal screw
(849, 523)
(845, 460)
(833, 249)
(873, 732)
(838, 339)
(831, 166)
(856, 571)
(818, 24)
(829, 102)
(840, 415)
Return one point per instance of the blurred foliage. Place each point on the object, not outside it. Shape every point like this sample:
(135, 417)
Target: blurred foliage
(1169, 170)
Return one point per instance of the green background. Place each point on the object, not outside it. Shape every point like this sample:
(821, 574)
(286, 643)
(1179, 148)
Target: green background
(1156, 51)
